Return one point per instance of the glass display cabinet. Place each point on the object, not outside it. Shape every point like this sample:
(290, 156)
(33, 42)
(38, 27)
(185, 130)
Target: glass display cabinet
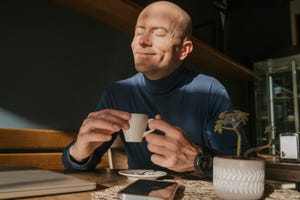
(277, 97)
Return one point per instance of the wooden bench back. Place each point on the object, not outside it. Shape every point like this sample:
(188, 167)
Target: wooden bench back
(35, 148)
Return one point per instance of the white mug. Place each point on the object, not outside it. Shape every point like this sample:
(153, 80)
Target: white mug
(137, 126)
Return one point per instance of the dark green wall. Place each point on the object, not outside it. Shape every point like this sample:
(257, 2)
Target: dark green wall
(55, 64)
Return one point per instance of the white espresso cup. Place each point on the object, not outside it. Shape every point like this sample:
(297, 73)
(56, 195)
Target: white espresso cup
(137, 126)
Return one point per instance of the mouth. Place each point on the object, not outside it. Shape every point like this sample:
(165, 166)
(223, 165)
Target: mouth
(145, 53)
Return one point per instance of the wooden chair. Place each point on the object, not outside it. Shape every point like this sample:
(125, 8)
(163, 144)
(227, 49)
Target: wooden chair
(117, 155)
(35, 148)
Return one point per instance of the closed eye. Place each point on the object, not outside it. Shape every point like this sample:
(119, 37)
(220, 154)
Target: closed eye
(160, 32)
(139, 31)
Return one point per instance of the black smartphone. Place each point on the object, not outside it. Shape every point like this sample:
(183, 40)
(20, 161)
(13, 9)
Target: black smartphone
(145, 189)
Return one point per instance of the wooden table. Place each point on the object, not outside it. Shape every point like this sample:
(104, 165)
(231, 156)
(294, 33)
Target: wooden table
(106, 178)
(283, 171)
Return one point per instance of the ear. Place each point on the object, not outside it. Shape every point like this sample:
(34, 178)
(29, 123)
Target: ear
(186, 49)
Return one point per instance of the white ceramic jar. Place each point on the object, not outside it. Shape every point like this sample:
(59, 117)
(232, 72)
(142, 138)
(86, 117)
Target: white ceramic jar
(238, 178)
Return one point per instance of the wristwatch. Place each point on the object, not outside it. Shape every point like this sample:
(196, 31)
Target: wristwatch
(203, 161)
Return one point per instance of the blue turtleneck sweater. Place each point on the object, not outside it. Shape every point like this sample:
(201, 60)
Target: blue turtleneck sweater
(186, 99)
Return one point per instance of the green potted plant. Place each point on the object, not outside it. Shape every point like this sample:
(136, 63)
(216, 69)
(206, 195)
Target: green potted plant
(240, 176)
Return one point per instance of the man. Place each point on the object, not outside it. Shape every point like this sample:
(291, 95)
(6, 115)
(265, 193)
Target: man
(185, 104)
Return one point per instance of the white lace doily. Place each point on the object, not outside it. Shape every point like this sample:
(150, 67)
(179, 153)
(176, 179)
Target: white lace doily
(190, 189)
(187, 190)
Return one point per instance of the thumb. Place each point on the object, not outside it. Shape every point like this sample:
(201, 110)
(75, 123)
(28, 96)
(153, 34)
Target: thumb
(162, 125)
(157, 116)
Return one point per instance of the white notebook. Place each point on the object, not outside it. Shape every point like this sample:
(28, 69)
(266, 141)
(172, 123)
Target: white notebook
(36, 182)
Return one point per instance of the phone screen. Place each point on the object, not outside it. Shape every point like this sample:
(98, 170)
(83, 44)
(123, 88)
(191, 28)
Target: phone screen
(149, 189)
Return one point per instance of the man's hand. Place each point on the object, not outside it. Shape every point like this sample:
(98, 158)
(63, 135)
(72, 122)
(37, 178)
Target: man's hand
(173, 150)
(96, 129)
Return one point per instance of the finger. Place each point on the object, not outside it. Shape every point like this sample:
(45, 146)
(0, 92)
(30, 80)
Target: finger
(162, 126)
(117, 113)
(188, 147)
(119, 119)
(121, 123)
(162, 146)
(166, 146)
(159, 160)
(92, 123)
(170, 161)
(173, 162)
(172, 143)
(99, 136)
(163, 141)
(169, 130)
(162, 150)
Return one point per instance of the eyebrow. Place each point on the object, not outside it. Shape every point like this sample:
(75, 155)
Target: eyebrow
(153, 28)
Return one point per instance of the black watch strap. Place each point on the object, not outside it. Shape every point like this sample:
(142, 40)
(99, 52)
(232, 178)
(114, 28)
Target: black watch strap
(203, 162)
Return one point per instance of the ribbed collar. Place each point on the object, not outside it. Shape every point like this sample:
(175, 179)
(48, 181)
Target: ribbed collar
(166, 84)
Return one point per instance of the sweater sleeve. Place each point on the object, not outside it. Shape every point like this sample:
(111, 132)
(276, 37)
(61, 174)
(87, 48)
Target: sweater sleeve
(95, 157)
(225, 143)
(71, 164)
(90, 163)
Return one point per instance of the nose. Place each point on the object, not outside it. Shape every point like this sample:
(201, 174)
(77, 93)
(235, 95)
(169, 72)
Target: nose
(145, 40)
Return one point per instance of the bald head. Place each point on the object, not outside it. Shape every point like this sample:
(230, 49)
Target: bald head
(183, 20)
(161, 40)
